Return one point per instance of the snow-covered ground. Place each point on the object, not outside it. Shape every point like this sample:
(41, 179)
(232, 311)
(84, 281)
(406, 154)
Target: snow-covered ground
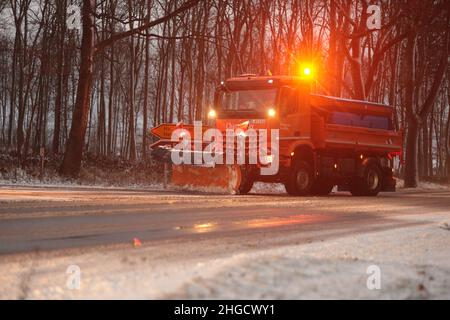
(26, 180)
(413, 264)
(425, 185)
(259, 187)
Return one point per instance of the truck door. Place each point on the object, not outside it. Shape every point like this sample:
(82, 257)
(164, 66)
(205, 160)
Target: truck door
(288, 107)
(295, 120)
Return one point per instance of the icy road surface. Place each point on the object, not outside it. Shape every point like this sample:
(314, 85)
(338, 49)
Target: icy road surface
(194, 245)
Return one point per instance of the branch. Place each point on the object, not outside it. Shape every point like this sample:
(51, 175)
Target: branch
(442, 68)
(346, 15)
(378, 55)
(121, 35)
(209, 39)
(448, 120)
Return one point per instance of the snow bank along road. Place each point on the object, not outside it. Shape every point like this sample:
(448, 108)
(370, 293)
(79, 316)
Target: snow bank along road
(217, 246)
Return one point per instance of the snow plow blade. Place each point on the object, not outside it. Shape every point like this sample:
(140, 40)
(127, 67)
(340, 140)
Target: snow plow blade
(220, 178)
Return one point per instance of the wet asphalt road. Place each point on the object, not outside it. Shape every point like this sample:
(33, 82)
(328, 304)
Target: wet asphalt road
(42, 219)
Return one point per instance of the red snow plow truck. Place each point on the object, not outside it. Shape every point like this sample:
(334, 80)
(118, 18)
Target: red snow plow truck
(273, 129)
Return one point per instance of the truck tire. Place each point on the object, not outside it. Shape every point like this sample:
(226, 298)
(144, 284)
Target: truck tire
(370, 184)
(247, 180)
(321, 188)
(300, 180)
(246, 186)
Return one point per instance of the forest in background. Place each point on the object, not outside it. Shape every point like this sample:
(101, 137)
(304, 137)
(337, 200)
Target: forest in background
(132, 65)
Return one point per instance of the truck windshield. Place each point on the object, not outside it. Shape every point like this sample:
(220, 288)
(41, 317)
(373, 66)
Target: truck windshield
(249, 100)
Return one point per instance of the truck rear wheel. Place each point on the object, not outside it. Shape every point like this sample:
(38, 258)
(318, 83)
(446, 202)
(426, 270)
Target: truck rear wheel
(300, 180)
(370, 184)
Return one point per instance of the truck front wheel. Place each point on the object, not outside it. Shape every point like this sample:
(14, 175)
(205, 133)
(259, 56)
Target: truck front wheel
(247, 180)
(246, 186)
(370, 184)
(300, 180)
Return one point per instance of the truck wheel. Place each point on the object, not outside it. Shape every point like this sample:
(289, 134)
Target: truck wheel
(321, 188)
(247, 180)
(246, 186)
(370, 184)
(300, 180)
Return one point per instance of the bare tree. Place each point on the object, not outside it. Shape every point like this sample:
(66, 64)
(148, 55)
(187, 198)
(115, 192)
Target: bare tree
(74, 148)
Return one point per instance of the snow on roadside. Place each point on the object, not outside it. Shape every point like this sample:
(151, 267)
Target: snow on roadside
(268, 188)
(90, 177)
(73, 184)
(284, 277)
(22, 179)
(425, 185)
(258, 187)
(416, 267)
(278, 188)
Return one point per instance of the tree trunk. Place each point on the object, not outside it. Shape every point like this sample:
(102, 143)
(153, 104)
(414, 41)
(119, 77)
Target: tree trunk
(12, 99)
(110, 103)
(60, 77)
(412, 154)
(412, 138)
(146, 75)
(74, 149)
(131, 133)
(447, 136)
